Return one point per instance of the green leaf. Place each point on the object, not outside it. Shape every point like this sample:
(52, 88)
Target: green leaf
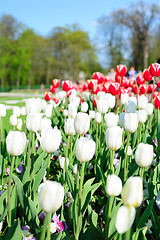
(14, 232)
(146, 214)
(38, 178)
(158, 127)
(13, 203)
(38, 162)
(20, 191)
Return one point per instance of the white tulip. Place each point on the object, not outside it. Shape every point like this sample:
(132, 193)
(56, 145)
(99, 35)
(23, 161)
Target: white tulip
(13, 120)
(50, 139)
(149, 109)
(101, 95)
(98, 117)
(133, 99)
(85, 149)
(51, 195)
(16, 142)
(132, 194)
(69, 126)
(19, 124)
(130, 107)
(61, 95)
(114, 138)
(144, 155)
(86, 95)
(75, 100)
(1, 224)
(84, 107)
(142, 102)
(2, 110)
(75, 169)
(142, 116)
(124, 98)
(72, 111)
(125, 218)
(121, 119)
(102, 106)
(45, 122)
(62, 162)
(33, 122)
(91, 114)
(33, 105)
(23, 111)
(111, 100)
(113, 185)
(131, 122)
(16, 111)
(65, 113)
(111, 119)
(82, 123)
(129, 151)
(48, 110)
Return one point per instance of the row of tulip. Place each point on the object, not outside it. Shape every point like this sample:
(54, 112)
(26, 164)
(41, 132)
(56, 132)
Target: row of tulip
(63, 168)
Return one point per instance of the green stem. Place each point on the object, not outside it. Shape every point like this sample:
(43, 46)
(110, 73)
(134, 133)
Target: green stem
(96, 140)
(46, 223)
(9, 191)
(32, 156)
(106, 230)
(126, 235)
(141, 171)
(48, 166)
(112, 160)
(80, 199)
(71, 148)
(125, 158)
(1, 123)
(48, 229)
(29, 153)
(65, 163)
(152, 90)
(139, 133)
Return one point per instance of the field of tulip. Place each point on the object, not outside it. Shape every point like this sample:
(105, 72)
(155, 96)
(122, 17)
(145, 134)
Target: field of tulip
(83, 163)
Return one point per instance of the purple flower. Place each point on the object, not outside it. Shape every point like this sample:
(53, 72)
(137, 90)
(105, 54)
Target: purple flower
(60, 226)
(7, 171)
(36, 146)
(26, 227)
(20, 168)
(155, 142)
(116, 162)
(1, 192)
(42, 216)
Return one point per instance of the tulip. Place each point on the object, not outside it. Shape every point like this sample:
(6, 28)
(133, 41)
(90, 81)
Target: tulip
(113, 185)
(98, 76)
(86, 95)
(111, 100)
(33, 122)
(13, 120)
(149, 109)
(33, 105)
(16, 142)
(125, 218)
(19, 124)
(95, 89)
(50, 139)
(92, 114)
(74, 100)
(129, 151)
(66, 85)
(75, 169)
(155, 69)
(72, 111)
(132, 194)
(111, 119)
(98, 117)
(143, 88)
(124, 98)
(121, 119)
(130, 107)
(147, 76)
(114, 88)
(23, 111)
(102, 106)
(121, 70)
(157, 102)
(101, 95)
(140, 79)
(55, 83)
(85, 149)
(131, 122)
(16, 111)
(82, 123)
(142, 102)
(69, 126)
(144, 155)
(114, 138)
(45, 122)
(135, 89)
(142, 116)
(48, 96)
(62, 162)
(133, 99)
(65, 113)
(48, 110)
(84, 107)
(2, 110)
(51, 195)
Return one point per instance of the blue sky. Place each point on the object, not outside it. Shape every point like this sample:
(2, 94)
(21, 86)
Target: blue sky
(43, 15)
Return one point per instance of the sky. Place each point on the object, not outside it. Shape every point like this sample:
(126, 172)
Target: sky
(43, 15)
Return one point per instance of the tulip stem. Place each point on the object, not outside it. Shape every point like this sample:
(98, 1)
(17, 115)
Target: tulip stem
(111, 160)
(152, 90)
(79, 202)
(106, 230)
(96, 140)
(46, 223)
(141, 172)
(32, 156)
(126, 235)
(65, 163)
(9, 191)
(1, 123)
(29, 153)
(48, 166)
(125, 158)
(139, 133)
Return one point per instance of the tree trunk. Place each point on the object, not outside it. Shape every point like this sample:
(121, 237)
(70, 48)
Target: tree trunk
(145, 55)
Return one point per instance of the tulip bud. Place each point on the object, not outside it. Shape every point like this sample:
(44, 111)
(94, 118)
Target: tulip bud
(155, 69)
(125, 218)
(111, 119)
(142, 116)
(131, 122)
(114, 138)
(65, 113)
(121, 119)
(98, 117)
(132, 194)
(50, 139)
(13, 120)
(23, 111)
(16, 142)
(144, 155)
(102, 106)
(121, 70)
(92, 114)
(82, 123)
(111, 100)
(75, 169)
(16, 111)
(84, 107)
(130, 107)
(113, 185)
(142, 102)
(85, 149)
(69, 126)
(45, 122)
(62, 162)
(149, 109)
(157, 102)
(51, 195)
(33, 105)
(33, 122)
(124, 98)
(2, 110)
(129, 151)
(19, 124)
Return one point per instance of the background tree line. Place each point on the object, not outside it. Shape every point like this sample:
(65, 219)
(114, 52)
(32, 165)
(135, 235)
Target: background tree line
(130, 36)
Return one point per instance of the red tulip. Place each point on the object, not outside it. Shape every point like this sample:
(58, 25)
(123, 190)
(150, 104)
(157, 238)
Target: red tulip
(155, 69)
(98, 76)
(108, 79)
(140, 79)
(131, 82)
(155, 94)
(66, 85)
(84, 86)
(143, 88)
(118, 78)
(135, 89)
(121, 70)
(91, 83)
(106, 87)
(151, 88)
(124, 82)
(95, 102)
(147, 76)
(55, 83)
(158, 84)
(48, 96)
(157, 102)
(95, 89)
(56, 100)
(114, 88)
(53, 89)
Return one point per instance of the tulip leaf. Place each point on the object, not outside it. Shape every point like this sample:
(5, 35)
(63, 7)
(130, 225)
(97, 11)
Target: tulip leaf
(33, 217)
(70, 181)
(13, 203)
(38, 178)
(155, 223)
(3, 208)
(20, 191)
(145, 215)
(158, 127)
(91, 233)
(38, 162)
(14, 232)
(134, 138)
(93, 218)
